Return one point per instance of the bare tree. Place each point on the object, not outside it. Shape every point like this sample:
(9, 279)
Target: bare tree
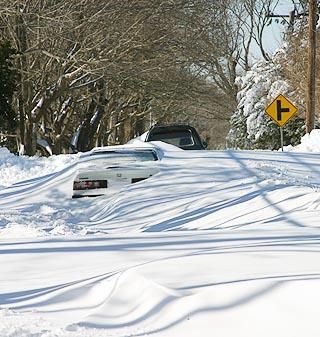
(99, 72)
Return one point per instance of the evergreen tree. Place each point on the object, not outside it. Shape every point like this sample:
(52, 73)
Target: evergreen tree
(8, 85)
(250, 127)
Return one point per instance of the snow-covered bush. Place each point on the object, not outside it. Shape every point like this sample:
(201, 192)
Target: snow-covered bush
(251, 127)
(15, 168)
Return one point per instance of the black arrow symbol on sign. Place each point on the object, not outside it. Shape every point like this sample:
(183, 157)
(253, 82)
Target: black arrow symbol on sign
(280, 110)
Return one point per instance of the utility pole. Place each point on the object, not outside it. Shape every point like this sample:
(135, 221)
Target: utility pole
(311, 93)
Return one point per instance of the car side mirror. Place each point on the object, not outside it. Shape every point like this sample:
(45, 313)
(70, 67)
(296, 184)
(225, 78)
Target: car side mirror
(205, 144)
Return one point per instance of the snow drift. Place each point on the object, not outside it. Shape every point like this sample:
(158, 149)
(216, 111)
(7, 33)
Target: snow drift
(217, 243)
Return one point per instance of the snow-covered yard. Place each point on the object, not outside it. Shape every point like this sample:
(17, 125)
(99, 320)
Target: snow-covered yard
(218, 243)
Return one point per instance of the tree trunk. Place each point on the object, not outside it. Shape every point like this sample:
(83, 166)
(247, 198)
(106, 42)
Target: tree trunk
(96, 110)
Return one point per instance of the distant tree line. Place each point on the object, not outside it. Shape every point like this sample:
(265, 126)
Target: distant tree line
(86, 73)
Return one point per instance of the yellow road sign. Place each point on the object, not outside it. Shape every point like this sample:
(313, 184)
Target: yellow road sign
(281, 110)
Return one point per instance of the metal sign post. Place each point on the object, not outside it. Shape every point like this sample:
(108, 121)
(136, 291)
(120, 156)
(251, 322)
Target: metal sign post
(281, 138)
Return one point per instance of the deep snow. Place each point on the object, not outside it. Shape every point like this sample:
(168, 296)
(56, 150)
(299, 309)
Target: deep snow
(218, 243)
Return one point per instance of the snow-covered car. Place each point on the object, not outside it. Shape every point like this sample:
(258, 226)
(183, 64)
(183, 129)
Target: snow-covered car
(107, 169)
(183, 136)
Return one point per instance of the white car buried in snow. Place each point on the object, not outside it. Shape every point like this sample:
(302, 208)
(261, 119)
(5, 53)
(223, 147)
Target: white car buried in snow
(107, 169)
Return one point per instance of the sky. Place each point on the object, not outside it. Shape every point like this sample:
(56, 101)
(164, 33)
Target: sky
(218, 243)
(273, 35)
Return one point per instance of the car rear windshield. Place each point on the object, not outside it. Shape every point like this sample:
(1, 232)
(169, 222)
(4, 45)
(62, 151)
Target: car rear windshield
(177, 138)
(125, 156)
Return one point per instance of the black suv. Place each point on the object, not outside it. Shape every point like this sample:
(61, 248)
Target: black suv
(182, 135)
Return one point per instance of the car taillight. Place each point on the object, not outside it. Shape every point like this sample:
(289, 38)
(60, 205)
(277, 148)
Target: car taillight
(89, 184)
(136, 180)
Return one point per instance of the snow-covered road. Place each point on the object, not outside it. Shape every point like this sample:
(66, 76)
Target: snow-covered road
(222, 243)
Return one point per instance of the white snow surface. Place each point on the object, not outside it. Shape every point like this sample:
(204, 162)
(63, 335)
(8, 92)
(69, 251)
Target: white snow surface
(218, 243)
